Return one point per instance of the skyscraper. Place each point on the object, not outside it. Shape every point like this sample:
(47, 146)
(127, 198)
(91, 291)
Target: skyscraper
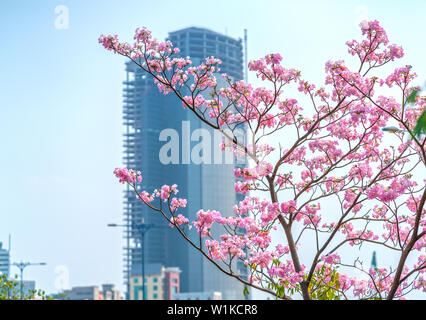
(146, 113)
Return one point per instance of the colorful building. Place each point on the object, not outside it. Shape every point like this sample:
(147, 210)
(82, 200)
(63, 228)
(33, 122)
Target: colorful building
(160, 283)
(213, 295)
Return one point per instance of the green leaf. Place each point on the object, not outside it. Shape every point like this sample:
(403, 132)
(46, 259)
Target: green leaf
(246, 291)
(413, 95)
(421, 125)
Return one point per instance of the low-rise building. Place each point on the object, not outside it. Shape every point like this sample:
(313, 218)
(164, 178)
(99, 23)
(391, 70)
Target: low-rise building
(108, 292)
(211, 295)
(82, 293)
(160, 283)
(171, 283)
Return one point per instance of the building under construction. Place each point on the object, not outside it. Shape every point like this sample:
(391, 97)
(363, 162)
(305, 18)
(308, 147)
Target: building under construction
(146, 112)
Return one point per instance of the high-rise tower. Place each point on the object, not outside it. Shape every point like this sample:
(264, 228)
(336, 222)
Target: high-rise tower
(4, 261)
(146, 113)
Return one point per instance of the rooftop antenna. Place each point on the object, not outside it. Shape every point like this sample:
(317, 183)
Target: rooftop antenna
(374, 260)
(9, 243)
(245, 56)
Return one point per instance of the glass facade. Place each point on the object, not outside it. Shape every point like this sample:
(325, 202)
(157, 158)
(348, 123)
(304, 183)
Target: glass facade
(4, 261)
(146, 113)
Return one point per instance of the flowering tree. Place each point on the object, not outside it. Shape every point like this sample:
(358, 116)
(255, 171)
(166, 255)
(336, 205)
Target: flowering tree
(10, 289)
(349, 172)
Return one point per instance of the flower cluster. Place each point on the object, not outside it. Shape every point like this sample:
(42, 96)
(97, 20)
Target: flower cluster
(124, 175)
(336, 149)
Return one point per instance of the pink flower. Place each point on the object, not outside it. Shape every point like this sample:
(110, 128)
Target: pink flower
(335, 149)
(288, 206)
(331, 259)
(128, 176)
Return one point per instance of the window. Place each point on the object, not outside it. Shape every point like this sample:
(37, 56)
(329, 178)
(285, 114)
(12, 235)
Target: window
(155, 296)
(195, 35)
(197, 42)
(155, 279)
(135, 280)
(155, 288)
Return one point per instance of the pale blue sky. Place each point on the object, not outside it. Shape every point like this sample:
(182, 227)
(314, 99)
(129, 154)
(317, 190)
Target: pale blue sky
(60, 109)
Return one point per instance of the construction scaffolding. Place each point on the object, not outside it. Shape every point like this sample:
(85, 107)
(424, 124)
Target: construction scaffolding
(132, 116)
(146, 112)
